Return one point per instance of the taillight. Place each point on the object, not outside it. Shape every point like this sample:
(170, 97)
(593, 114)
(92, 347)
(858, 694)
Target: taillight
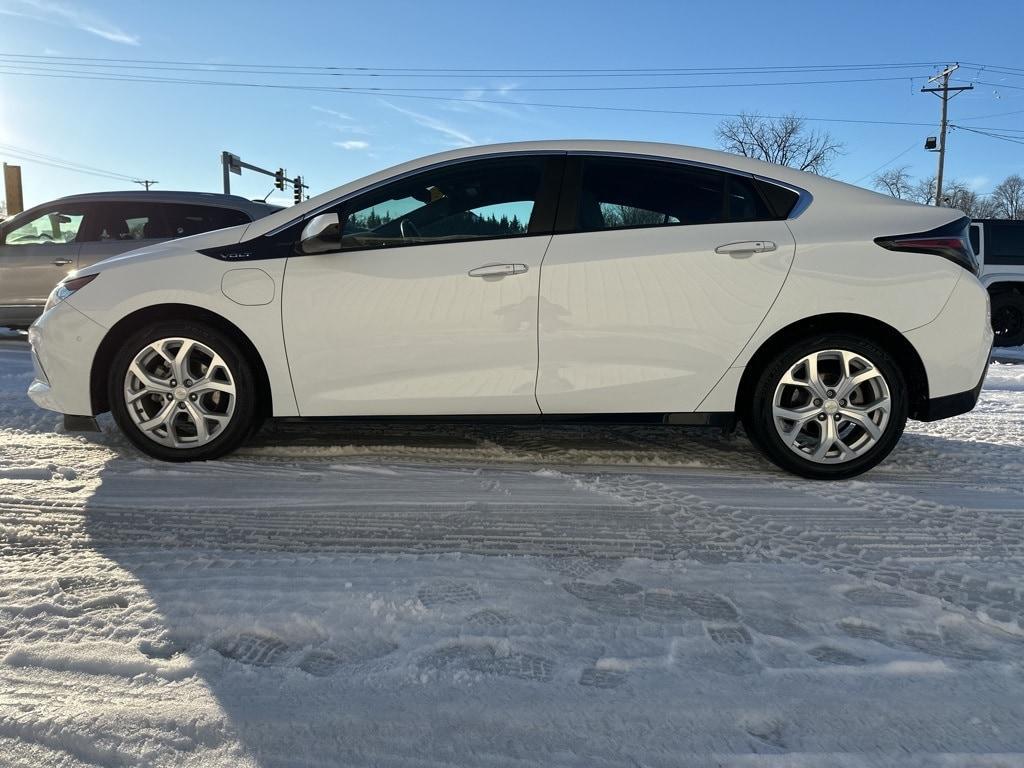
(950, 241)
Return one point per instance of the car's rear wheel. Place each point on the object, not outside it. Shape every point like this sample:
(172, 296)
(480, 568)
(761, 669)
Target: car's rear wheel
(1008, 318)
(182, 392)
(829, 407)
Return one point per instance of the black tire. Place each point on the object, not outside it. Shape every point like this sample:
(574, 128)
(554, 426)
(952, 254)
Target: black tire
(247, 413)
(1008, 318)
(760, 424)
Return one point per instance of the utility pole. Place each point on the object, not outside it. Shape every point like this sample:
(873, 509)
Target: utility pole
(147, 183)
(943, 93)
(12, 189)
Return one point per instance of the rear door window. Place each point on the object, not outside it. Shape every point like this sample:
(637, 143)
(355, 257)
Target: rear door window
(617, 193)
(184, 220)
(125, 221)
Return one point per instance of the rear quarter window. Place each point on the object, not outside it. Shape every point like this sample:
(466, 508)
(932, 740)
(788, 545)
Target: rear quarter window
(780, 199)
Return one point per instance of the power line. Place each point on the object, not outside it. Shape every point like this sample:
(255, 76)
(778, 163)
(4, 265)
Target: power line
(505, 103)
(25, 70)
(1000, 85)
(1011, 139)
(995, 114)
(488, 71)
(886, 163)
(39, 157)
(26, 159)
(131, 64)
(994, 67)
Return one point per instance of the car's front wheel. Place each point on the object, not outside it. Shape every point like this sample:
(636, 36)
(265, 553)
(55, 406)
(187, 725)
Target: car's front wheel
(182, 392)
(829, 407)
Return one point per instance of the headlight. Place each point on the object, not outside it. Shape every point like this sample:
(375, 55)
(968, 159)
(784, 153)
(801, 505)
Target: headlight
(66, 288)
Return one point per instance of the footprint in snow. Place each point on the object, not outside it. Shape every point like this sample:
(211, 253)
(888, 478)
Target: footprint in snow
(881, 598)
(446, 592)
(486, 660)
(601, 678)
(255, 649)
(837, 656)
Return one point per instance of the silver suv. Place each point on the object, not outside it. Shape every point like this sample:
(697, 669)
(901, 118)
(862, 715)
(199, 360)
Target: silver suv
(38, 247)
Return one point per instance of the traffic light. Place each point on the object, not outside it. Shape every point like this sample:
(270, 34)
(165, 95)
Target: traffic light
(297, 189)
(279, 179)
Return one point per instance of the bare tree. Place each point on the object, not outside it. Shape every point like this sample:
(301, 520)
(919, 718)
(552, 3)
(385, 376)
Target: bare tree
(628, 216)
(956, 194)
(924, 191)
(784, 141)
(897, 182)
(1008, 198)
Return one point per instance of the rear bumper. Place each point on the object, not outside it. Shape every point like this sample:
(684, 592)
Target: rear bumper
(951, 405)
(955, 349)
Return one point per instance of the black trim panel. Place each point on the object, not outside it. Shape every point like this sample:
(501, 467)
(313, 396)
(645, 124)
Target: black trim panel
(951, 405)
(724, 419)
(74, 423)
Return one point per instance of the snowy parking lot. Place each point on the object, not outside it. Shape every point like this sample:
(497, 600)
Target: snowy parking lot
(396, 595)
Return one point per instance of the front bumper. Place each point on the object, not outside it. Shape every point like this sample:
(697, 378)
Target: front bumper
(64, 344)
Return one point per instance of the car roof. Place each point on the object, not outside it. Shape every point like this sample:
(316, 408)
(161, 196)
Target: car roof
(799, 179)
(235, 202)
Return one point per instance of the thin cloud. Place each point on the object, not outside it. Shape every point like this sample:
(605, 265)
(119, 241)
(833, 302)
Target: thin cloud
(352, 144)
(61, 15)
(332, 113)
(455, 136)
(977, 182)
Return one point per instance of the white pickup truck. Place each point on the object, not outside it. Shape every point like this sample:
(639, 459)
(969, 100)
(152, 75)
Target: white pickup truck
(999, 246)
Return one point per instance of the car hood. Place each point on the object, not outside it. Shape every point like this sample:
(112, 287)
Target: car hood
(168, 248)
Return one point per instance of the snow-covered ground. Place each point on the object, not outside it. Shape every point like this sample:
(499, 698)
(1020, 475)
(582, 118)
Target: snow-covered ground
(495, 596)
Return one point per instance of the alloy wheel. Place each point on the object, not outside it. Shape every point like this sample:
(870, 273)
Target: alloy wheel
(831, 406)
(179, 393)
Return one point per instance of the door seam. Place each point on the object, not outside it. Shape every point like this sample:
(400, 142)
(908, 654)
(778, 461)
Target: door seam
(540, 288)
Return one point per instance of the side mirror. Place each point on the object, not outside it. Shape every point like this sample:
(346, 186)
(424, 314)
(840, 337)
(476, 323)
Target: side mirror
(322, 234)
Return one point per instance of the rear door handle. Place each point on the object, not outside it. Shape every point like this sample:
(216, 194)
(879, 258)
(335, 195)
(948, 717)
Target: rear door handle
(498, 270)
(61, 262)
(747, 246)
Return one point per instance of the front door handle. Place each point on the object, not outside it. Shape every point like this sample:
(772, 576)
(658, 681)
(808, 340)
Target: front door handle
(498, 270)
(747, 246)
(61, 262)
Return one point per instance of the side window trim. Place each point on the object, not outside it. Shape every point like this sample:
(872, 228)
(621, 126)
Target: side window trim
(572, 178)
(566, 218)
(546, 207)
(329, 206)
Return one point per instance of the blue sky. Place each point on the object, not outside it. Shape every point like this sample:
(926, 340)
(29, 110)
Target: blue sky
(174, 133)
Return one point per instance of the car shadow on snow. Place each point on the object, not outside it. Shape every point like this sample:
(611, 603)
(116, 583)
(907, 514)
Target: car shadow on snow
(307, 578)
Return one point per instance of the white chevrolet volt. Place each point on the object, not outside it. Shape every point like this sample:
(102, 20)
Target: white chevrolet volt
(554, 280)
